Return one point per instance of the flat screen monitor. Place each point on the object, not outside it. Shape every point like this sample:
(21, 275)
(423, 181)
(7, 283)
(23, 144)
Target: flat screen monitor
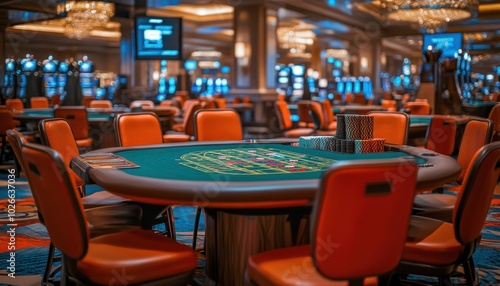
(158, 38)
(448, 43)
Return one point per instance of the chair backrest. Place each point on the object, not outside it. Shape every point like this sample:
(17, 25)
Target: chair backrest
(427, 90)
(477, 133)
(189, 118)
(390, 105)
(391, 125)
(303, 111)
(328, 111)
(217, 124)
(221, 102)
(56, 133)
(136, 129)
(441, 135)
(494, 116)
(58, 200)
(6, 121)
(76, 116)
(39, 102)
(418, 107)
(359, 98)
(283, 114)
(99, 103)
(474, 199)
(14, 104)
(317, 115)
(141, 103)
(361, 217)
(55, 100)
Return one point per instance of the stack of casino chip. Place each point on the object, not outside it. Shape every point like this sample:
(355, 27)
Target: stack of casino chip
(326, 143)
(341, 132)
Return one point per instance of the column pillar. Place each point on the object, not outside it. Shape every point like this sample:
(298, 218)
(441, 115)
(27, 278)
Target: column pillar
(255, 49)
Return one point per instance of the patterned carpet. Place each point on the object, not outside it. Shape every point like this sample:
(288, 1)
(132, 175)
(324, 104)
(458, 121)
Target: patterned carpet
(32, 241)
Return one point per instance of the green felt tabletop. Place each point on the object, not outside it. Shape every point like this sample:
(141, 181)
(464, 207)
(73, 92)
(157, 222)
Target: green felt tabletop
(481, 103)
(50, 113)
(240, 162)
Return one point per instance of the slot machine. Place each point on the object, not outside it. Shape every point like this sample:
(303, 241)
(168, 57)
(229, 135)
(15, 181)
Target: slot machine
(197, 87)
(86, 70)
(72, 88)
(172, 86)
(357, 85)
(9, 79)
(62, 78)
(210, 87)
(406, 73)
(298, 82)
(323, 88)
(162, 82)
(285, 81)
(49, 68)
(29, 82)
(367, 88)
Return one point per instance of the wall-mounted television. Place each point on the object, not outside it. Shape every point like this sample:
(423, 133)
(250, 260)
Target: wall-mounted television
(448, 43)
(158, 38)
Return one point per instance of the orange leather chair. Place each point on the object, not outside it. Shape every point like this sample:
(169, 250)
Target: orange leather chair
(76, 116)
(39, 102)
(392, 126)
(137, 129)
(14, 104)
(6, 123)
(141, 103)
(144, 256)
(221, 102)
(359, 225)
(217, 124)
(441, 135)
(359, 98)
(418, 107)
(55, 100)
(389, 105)
(494, 116)
(440, 206)
(182, 132)
(437, 248)
(285, 122)
(317, 114)
(329, 115)
(303, 111)
(101, 104)
(103, 209)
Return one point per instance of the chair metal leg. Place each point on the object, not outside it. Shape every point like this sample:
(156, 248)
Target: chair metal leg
(469, 271)
(50, 261)
(196, 223)
(170, 222)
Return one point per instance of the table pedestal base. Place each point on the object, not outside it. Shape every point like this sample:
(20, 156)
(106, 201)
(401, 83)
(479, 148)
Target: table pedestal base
(230, 239)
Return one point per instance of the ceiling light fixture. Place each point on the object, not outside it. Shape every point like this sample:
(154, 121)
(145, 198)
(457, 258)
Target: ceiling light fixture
(84, 16)
(432, 16)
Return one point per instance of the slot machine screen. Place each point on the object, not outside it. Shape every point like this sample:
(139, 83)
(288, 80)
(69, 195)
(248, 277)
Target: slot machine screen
(158, 38)
(190, 65)
(337, 73)
(283, 80)
(49, 67)
(298, 70)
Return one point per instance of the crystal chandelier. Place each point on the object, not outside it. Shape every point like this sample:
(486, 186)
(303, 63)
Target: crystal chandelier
(287, 40)
(431, 15)
(84, 16)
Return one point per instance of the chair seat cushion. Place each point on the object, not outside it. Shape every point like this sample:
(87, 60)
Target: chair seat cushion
(139, 254)
(298, 132)
(290, 266)
(431, 241)
(83, 143)
(170, 138)
(179, 127)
